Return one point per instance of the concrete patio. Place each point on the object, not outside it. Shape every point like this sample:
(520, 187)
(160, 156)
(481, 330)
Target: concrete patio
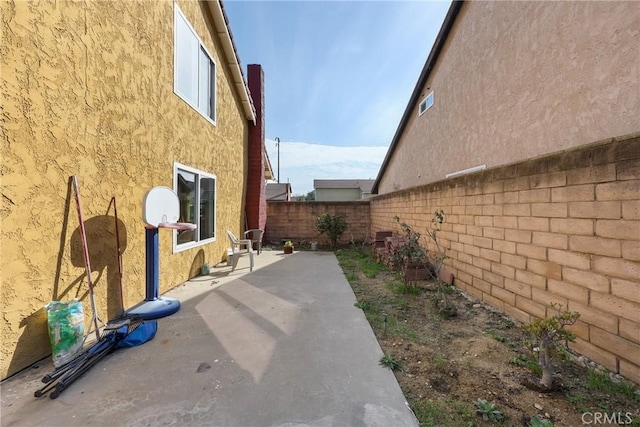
(280, 346)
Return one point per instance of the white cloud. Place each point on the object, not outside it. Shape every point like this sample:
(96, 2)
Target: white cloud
(302, 162)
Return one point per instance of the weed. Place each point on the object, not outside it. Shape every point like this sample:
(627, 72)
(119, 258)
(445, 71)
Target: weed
(400, 303)
(391, 285)
(599, 381)
(518, 361)
(578, 401)
(629, 390)
(508, 324)
(602, 382)
(405, 331)
(408, 289)
(428, 412)
(488, 410)
(347, 263)
(363, 305)
(375, 319)
(432, 413)
(496, 336)
(370, 268)
(439, 362)
(386, 324)
(538, 421)
(351, 276)
(389, 361)
(462, 410)
(525, 362)
(459, 334)
(402, 288)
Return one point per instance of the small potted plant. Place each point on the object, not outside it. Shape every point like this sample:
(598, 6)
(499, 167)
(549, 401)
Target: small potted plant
(288, 247)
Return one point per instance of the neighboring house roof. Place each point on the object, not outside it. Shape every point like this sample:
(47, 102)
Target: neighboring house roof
(422, 80)
(278, 191)
(364, 185)
(231, 55)
(268, 169)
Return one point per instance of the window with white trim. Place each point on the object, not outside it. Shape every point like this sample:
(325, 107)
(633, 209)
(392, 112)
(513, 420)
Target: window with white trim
(194, 77)
(196, 192)
(426, 104)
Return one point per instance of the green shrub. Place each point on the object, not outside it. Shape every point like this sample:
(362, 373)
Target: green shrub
(333, 226)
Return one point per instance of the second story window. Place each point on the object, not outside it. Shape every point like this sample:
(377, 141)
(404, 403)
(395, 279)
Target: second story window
(194, 78)
(426, 104)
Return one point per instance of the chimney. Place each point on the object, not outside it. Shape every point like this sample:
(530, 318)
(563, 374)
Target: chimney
(256, 202)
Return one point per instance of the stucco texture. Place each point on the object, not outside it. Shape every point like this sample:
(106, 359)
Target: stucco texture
(87, 90)
(518, 80)
(337, 194)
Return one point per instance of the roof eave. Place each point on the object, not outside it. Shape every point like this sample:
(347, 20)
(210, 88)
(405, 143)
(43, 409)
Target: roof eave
(447, 24)
(221, 23)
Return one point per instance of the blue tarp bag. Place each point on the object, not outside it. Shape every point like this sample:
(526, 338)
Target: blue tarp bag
(140, 335)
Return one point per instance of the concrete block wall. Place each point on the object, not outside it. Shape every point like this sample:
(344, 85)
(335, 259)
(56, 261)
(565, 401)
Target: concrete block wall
(296, 220)
(563, 228)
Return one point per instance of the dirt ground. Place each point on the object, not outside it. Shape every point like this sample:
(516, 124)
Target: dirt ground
(447, 364)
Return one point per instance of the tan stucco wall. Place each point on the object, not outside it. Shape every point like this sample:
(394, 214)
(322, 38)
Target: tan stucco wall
(87, 90)
(516, 80)
(337, 194)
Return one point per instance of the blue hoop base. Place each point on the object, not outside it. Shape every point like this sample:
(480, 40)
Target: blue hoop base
(154, 309)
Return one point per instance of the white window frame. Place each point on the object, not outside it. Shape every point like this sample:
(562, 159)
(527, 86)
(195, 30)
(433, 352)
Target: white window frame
(199, 174)
(426, 103)
(199, 56)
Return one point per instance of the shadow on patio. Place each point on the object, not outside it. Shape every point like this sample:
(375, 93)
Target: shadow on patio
(283, 345)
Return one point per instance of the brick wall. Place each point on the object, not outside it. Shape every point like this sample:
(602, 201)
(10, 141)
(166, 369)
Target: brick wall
(296, 220)
(256, 200)
(563, 228)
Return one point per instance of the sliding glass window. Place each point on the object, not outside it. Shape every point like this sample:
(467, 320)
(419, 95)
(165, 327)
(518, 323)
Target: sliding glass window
(196, 191)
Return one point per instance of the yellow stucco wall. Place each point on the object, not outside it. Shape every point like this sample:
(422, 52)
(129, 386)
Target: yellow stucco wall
(87, 90)
(517, 80)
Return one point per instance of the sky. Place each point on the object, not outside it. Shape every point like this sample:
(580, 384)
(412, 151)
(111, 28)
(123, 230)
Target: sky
(338, 76)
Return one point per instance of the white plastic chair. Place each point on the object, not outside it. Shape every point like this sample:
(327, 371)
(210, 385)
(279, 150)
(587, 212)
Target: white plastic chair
(255, 235)
(239, 248)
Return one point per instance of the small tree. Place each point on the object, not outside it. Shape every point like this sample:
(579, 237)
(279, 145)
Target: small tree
(331, 225)
(409, 254)
(437, 258)
(550, 339)
(412, 253)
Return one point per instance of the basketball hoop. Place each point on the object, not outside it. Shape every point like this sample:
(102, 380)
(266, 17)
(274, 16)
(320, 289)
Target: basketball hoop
(160, 209)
